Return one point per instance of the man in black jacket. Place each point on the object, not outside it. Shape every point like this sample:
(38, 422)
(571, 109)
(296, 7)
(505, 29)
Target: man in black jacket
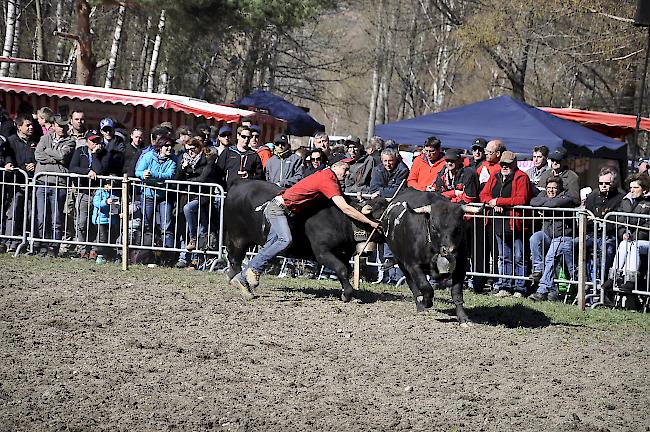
(114, 145)
(556, 238)
(91, 160)
(606, 199)
(19, 153)
(240, 161)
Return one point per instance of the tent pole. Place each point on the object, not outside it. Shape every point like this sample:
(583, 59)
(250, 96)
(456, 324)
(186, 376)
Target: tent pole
(638, 114)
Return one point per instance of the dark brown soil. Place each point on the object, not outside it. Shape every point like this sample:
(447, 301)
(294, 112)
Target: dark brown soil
(91, 348)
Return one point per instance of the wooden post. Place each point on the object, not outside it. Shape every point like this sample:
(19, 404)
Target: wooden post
(356, 283)
(582, 252)
(125, 222)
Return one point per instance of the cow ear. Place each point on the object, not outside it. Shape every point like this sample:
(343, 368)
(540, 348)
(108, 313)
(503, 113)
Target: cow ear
(471, 209)
(426, 209)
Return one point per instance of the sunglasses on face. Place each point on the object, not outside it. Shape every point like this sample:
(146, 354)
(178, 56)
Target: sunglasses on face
(245, 137)
(255, 137)
(315, 159)
(224, 135)
(507, 165)
(605, 183)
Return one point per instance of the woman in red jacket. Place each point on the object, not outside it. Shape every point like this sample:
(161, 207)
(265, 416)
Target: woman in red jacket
(510, 187)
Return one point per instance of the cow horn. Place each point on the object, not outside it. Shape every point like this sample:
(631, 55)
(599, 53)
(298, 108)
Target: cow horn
(425, 209)
(471, 209)
(366, 209)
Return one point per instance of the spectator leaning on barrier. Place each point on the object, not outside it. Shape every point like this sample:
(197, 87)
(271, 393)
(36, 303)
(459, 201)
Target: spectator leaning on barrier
(240, 161)
(559, 169)
(284, 168)
(556, 238)
(510, 187)
(456, 182)
(90, 160)
(425, 168)
(52, 154)
(195, 166)
(478, 153)
(19, 153)
(634, 234)
(106, 215)
(606, 199)
(540, 166)
(493, 151)
(154, 168)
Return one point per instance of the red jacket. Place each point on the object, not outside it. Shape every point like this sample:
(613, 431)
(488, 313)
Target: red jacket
(265, 154)
(423, 174)
(521, 194)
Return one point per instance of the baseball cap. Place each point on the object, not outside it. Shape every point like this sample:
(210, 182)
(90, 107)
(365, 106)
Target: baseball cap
(558, 154)
(93, 135)
(106, 123)
(281, 139)
(255, 128)
(225, 130)
(61, 119)
(347, 160)
(508, 157)
(479, 143)
(452, 154)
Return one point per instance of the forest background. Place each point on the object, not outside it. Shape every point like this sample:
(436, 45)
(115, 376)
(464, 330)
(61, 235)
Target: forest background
(353, 63)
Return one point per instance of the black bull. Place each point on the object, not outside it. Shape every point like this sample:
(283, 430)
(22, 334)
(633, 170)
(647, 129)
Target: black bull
(322, 233)
(426, 234)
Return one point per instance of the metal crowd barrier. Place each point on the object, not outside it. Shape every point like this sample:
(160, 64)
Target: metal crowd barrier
(626, 261)
(155, 215)
(14, 201)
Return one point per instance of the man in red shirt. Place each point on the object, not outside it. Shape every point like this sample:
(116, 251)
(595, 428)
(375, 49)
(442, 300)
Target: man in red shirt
(490, 166)
(425, 168)
(310, 191)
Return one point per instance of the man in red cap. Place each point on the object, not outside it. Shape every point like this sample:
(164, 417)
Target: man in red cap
(307, 193)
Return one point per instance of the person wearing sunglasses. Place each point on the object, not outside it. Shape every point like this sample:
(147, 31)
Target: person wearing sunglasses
(478, 153)
(559, 168)
(317, 161)
(239, 161)
(262, 150)
(285, 167)
(510, 187)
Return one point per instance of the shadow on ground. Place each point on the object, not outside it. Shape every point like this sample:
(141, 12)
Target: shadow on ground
(511, 316)
(361, 295)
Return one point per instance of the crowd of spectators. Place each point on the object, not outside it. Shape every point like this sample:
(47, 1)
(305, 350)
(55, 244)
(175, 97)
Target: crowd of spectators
(526, 254)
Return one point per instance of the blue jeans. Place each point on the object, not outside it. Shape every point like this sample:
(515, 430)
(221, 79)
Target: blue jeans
(49, 204)
(507, 243)
(164, 216)
(562, 247)
(278, 240)
(196, 214)
(393, 274)
(610, 251)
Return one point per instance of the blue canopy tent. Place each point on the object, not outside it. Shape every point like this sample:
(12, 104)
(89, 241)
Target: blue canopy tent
(299, 123)
(519, 125)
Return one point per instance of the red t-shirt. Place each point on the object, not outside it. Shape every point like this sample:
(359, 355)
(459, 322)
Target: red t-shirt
(322, 184)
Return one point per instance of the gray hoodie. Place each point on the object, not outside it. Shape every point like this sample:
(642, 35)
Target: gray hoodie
(284, 172)
(53, 156)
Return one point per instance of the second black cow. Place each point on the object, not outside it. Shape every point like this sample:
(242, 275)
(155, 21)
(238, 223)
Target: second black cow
(426, 234)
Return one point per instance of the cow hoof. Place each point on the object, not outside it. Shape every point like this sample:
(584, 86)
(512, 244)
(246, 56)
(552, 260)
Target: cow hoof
(466, 324)
(420, 307)
(428, 303)
(346, 295)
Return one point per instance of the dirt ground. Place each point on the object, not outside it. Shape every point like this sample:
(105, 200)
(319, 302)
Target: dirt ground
(90, 348)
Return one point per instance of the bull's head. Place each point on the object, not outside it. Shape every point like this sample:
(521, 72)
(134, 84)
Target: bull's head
(447, 233)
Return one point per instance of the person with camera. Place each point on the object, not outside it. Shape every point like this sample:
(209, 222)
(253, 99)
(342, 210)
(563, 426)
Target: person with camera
(89, 161)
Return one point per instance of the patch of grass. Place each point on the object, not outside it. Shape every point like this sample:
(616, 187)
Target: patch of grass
(513, 313)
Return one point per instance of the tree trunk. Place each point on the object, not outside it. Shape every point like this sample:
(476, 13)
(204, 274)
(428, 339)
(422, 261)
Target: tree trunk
(10, 28)
(67, 72)
(389, 66)
(39, 70)
(156, 51)
(138, 78)
(374, 96)
(163, 80)
(117, 35)
(13, 67)
(59, 27)
(86, 63)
